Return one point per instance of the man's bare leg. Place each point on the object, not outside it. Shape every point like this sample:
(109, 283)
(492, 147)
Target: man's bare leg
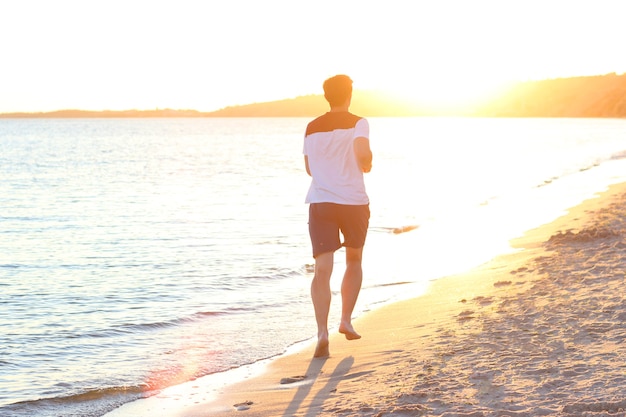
(350, 288)
(320, 295)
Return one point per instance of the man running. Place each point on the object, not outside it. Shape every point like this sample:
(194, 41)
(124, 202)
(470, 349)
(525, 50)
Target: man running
(336, 154)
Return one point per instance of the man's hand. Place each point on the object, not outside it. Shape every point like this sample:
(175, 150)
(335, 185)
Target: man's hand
(363, 153)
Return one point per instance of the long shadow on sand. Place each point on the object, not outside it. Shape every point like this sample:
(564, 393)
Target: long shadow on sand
(315, 368)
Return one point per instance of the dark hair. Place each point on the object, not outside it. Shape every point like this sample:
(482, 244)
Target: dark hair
(337, 90)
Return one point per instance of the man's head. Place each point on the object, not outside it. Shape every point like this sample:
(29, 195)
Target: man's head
(338, 90)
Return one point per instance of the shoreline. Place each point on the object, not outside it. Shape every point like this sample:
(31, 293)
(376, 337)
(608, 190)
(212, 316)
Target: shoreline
(501, 338)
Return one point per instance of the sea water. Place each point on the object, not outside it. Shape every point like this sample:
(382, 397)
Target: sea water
(138, 254)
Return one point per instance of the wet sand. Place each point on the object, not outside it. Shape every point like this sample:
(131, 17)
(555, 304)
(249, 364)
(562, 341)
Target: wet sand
(538, 332)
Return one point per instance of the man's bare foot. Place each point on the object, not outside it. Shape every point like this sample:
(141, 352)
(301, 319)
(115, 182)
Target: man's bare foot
(347, 330)
(321, 350)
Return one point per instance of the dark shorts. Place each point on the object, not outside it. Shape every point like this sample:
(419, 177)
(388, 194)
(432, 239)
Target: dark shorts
(326, 220)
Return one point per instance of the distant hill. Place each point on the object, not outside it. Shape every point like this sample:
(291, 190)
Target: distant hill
(365, 103)
(76, 114)
(293, 107)
(591, 96)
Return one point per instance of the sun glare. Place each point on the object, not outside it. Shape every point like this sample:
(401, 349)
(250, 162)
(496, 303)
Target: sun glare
(448, 93)
(427, 52)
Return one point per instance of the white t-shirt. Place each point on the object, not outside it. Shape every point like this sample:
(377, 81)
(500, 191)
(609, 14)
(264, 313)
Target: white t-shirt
(329, 147)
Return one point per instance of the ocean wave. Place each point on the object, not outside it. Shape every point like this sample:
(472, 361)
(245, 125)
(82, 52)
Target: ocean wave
(203, 314)
(240, 309)
(618, 155)
(159, 325)
(391, 284)
(380, 286)
(90, 403)
(134, 328)
(582, 168)
(277, 273)
(395, 229)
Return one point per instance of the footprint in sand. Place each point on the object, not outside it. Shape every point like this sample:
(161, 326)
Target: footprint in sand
(292, 379)
(465, 315)
(243, 406)
(483, 301)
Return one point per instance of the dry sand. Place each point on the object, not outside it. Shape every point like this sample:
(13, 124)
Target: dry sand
(535, 333)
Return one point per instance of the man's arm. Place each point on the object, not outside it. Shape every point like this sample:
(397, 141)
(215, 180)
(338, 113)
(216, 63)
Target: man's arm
(306, 165)
(363, 153)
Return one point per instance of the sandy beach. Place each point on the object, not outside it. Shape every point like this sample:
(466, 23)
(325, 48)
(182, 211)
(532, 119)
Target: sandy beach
(538, 332)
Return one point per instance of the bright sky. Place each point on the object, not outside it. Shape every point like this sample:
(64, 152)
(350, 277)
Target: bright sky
(205, 55)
